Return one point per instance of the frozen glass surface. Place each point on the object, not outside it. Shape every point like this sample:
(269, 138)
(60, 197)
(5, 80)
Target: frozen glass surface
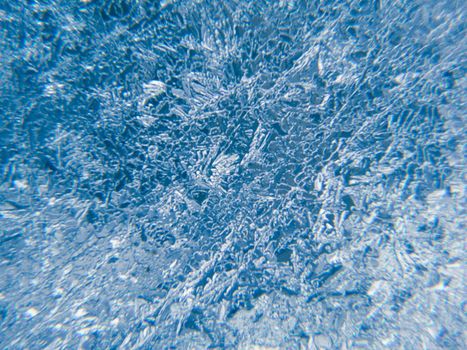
(232, 174)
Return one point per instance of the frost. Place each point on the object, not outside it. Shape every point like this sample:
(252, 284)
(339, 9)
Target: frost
(32, 312)
(235, 174)
(154, 88)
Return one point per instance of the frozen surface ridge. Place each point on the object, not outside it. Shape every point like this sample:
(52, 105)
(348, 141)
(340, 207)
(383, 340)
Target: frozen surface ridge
(232, 174)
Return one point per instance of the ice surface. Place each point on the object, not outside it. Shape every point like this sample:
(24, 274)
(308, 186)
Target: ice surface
(232, 174)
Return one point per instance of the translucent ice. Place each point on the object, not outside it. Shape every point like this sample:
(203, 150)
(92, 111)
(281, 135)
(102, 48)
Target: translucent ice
(232, 174)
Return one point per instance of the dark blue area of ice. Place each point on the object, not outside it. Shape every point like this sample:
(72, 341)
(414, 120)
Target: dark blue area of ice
(232, 174)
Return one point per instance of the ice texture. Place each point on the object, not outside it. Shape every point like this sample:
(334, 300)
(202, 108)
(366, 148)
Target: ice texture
(232, 174)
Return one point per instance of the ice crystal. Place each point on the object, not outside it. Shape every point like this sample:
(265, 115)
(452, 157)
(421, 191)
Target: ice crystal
(232, 174)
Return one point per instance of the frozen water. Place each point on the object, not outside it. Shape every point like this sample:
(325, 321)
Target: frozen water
(232, 174)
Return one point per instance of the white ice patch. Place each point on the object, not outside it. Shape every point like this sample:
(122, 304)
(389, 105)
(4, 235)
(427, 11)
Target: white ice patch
(116, 243)
(81, 312)
(154, 88)
(21, 184)
(165, 3)
(225, 164)
(146, 120)
(150, 90)
(31, 312)
(52, 89)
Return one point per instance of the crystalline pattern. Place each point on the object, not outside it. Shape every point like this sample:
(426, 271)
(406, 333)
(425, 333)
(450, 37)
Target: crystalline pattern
(232, 174)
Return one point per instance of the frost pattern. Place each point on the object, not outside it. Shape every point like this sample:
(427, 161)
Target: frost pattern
(232, 174)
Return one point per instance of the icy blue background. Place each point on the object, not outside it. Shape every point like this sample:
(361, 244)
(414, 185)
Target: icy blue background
(232, 174)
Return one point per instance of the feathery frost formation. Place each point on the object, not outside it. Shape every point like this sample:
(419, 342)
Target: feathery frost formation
(233, 174)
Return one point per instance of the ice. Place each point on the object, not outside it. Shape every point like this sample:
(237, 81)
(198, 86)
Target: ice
(32, 312)
(154, 88)
(234, 174)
